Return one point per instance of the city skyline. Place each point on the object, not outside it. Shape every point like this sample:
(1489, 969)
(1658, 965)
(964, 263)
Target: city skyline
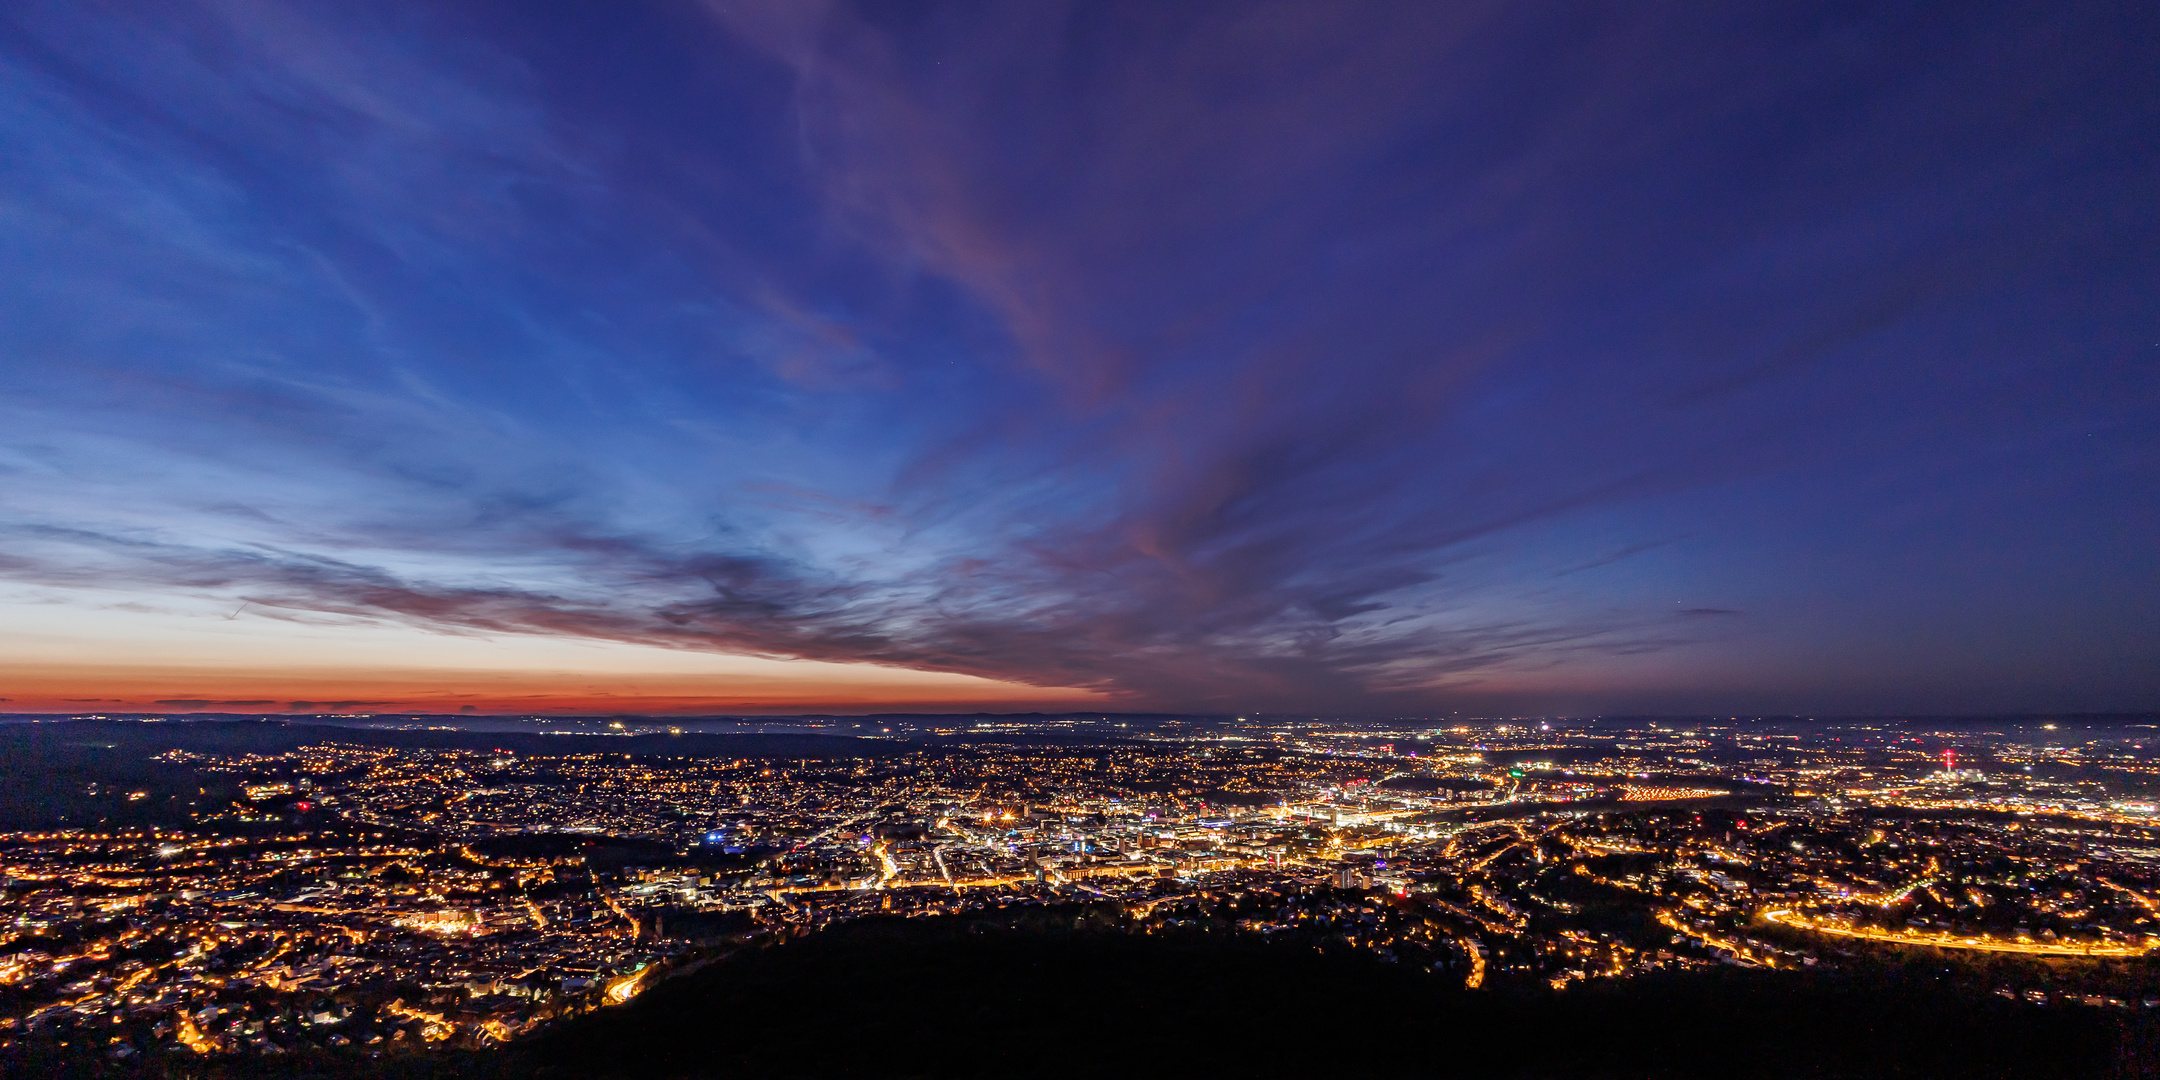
(1380, 359)
(233, 898)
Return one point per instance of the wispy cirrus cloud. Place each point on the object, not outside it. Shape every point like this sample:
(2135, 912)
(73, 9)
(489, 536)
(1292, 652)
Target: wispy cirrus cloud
(1039, 627)
(1196, 356)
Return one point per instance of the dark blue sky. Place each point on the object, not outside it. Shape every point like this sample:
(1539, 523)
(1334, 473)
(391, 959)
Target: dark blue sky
(1343, 357)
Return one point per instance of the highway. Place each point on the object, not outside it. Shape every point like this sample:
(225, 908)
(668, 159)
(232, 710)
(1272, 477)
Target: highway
(627, 987)
(1945, 940)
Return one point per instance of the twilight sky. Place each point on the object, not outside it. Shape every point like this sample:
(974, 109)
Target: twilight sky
(1400, 357)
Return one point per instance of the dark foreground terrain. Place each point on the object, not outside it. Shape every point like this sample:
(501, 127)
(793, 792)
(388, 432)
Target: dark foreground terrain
(949, 997)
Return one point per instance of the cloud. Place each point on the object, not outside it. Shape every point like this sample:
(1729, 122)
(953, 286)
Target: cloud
(1043, 621)
(1193, 503)
(1627, 552)
(1194, 356)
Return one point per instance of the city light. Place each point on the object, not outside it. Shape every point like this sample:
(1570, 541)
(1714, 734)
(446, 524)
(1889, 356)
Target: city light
(305, 901)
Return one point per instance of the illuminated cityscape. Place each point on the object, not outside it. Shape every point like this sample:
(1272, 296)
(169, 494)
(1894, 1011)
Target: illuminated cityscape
(922, 539)
(345, 893)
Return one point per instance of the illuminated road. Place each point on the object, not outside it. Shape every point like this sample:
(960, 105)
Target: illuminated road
(828, 831)
(618, 909)
(1490, 926)
(1949, 941)
(2133, 894)
(1488, 860)
(1499, 907)
(1737, 948)
(1455, 843)
(627, 987)
(1900, 895)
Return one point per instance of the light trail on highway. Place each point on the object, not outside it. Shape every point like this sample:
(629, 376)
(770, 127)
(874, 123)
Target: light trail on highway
(1947, 941)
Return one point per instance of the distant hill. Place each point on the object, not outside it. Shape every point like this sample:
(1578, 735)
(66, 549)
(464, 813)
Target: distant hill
(83, 772)
(278, 736)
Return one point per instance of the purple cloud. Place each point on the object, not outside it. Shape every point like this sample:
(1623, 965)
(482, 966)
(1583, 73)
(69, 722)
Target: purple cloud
(1373, 357)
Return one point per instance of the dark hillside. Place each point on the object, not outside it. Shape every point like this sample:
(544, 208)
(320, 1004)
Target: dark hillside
(965, 998)
(947, 999)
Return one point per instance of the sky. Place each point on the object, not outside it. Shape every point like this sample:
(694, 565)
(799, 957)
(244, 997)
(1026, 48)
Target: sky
(1375, 358)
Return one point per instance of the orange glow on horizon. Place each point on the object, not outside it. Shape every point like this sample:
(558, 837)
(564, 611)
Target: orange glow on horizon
(79, 689)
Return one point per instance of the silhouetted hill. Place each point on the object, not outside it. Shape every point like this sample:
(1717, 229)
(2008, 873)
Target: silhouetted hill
(279, 736)
(954, 998)
(1037, 996)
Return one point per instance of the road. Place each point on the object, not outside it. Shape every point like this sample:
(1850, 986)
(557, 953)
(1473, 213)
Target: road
(1737, 948)
(627, 987)
(1477, 963)
(1944, 940)
(814, 838)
